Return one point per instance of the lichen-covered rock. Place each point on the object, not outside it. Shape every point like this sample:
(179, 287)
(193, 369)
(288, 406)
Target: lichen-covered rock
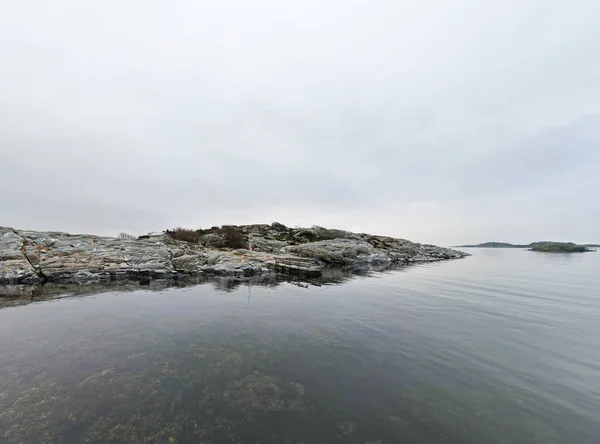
(267, 245)
(378, 258)
(336, 251)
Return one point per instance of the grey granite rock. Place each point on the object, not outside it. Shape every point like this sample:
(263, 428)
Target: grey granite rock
(14, 265)
(30, 257)
(336, 251)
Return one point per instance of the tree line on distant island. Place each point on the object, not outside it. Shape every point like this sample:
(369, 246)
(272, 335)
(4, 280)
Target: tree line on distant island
(544, 246)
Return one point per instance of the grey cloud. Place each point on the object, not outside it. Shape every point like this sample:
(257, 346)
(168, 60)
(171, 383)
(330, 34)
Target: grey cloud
(558, 156)
(441, 122)
(53, 214)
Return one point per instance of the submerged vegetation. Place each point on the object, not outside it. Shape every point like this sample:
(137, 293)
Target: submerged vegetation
(214, 396)
(246, 393)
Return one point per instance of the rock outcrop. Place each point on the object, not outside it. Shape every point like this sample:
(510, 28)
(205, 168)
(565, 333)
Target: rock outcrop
(33, 257)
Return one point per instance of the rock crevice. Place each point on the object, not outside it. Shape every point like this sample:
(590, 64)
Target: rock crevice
(38, 270)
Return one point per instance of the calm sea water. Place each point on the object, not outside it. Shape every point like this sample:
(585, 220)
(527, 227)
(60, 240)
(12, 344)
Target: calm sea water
(501, 347)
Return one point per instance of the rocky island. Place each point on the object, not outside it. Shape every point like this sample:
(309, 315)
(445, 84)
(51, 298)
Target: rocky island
(559, 247)
(543, 246)
(29, 257)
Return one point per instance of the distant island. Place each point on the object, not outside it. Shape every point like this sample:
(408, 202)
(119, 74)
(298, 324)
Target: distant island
(560, 247)
(543, 246)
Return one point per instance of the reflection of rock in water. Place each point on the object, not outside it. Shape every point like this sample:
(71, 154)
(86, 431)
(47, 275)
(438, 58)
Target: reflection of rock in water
(13, 295)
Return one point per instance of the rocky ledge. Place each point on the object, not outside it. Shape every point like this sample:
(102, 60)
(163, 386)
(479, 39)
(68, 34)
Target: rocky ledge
(28, 257)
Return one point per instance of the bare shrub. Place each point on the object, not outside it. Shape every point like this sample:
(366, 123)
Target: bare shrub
(233, 237)
(126, 236)
(184, 234)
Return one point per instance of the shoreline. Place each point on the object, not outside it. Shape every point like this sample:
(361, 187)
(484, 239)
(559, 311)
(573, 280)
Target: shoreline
(32, 257)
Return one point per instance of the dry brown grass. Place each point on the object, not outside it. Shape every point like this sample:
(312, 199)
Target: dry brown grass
(184, 234)
(233, 237)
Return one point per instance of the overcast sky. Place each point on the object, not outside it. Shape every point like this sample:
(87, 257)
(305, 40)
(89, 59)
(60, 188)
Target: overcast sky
(442, 121)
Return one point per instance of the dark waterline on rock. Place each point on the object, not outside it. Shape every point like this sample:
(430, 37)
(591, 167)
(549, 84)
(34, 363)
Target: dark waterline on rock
(501, 347)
